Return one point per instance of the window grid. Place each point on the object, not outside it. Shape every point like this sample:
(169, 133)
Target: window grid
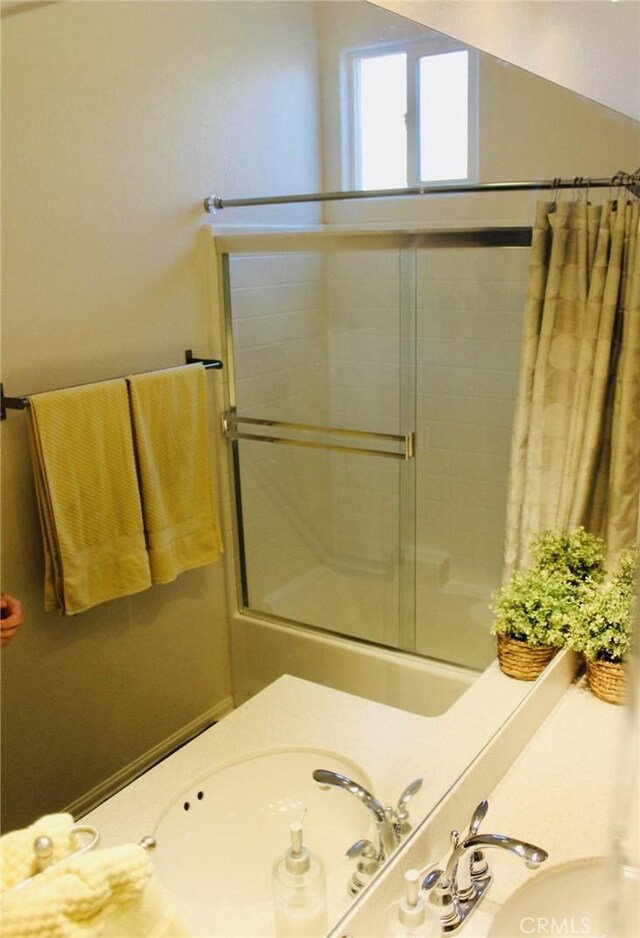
(415, 51)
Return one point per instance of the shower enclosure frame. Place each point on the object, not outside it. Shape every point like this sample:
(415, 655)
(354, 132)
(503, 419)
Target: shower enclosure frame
(320, 240)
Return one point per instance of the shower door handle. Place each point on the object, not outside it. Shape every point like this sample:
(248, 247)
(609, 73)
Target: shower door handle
(306, 435)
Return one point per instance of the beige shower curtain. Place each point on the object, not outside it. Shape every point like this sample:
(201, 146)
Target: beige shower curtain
(575, 456)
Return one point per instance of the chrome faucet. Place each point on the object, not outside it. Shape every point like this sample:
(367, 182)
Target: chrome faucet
(466, 877)
(392, 825)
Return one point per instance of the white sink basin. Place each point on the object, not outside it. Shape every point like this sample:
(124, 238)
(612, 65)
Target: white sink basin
(569, 899)
(217, 841)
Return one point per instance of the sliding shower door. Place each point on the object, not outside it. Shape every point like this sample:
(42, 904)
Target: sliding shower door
(322, 419)
(470, 302)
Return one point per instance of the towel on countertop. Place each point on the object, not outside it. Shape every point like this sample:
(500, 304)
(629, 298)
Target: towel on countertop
(170, 426)
(111, 892)
(88, 498)
(17, 856)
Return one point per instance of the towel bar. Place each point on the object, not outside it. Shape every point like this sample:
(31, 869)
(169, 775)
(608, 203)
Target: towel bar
(19, 403)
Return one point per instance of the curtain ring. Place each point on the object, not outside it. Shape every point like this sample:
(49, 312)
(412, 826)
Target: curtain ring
(617, 181)
(575, 189)
(613, 195)
(581, 188)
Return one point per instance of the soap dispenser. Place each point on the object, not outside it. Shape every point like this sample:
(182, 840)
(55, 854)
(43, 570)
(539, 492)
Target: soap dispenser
(299, 891)
(411, 915)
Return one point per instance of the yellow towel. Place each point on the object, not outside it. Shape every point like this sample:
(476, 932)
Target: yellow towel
(110, 892)
(17, 856)
(171, 433)
(88, 498)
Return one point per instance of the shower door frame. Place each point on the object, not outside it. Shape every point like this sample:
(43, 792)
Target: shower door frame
(407, 241)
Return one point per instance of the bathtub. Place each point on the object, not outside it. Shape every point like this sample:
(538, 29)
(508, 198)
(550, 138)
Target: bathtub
(181, 800)
(262, 650)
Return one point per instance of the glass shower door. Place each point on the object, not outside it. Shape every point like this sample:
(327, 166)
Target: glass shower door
(469, 322)
(321, 425)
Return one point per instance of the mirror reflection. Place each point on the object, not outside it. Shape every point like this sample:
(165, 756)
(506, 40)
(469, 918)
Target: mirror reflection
(428, 341)
(384, 344)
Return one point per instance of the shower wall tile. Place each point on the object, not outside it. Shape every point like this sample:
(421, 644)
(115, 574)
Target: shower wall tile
(316, 340)
(281, 364)
(470, 306)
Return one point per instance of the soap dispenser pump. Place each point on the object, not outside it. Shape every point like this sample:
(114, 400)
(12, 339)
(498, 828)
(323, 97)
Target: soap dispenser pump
(411, 915)
(299, 891)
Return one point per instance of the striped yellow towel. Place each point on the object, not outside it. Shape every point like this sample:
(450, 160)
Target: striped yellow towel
(172, 439)
(88, 498)
(111, 892)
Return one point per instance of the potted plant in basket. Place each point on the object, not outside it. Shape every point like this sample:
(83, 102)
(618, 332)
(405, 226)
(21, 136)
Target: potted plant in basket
(535, 610)
(577, 556)
(602, 632)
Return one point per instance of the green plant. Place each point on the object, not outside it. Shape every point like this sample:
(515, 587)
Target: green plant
(602, 631)
(536, 607)
(577, 555)
(627, 570)
(541, 605)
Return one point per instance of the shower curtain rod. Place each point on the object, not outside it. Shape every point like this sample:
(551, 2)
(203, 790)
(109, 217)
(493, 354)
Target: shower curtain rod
(631, 181)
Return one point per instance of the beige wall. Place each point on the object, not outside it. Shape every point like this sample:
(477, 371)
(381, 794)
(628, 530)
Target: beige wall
(529, 128)
(118, 118)
(570, 42)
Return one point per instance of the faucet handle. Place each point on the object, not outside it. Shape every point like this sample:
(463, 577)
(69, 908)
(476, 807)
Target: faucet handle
(401, 813)
(363, 848)
(443, 898)
(431, 879)
(478, 817)
(412, 789)
(367, 866)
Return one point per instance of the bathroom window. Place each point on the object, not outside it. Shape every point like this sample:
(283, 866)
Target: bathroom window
(411, 115)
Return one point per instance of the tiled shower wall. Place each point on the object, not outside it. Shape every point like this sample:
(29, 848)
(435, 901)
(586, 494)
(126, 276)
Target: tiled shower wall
(281, 362)
(470, 307)
(317, 341)
(362, 300)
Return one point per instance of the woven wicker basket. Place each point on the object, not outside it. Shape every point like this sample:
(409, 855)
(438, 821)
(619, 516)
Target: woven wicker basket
(608, 681)
(522, 661)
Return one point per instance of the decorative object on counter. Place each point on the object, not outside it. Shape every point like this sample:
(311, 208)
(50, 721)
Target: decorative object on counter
(19, 858)
(536, 608)
(299, 891)
(411, 915)
(55, 883)
(602, 633)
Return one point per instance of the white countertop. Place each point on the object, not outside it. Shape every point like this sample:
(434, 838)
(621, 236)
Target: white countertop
(392, 746)
(559, 793)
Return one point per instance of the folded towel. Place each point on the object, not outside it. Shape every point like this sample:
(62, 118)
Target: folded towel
(172, 440)
(88, 498)
(17, 856)
(106, 892)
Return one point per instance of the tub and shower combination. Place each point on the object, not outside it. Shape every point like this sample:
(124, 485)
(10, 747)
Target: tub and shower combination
(372, 381)
(371, 387)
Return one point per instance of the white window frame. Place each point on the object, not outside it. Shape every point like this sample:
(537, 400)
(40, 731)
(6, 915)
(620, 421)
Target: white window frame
(414, 50)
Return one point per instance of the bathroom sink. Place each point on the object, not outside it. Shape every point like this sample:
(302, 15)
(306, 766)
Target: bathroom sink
(216, 842)
(569, 899)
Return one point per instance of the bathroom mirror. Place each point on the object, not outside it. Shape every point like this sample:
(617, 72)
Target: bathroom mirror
(117, 120)
(392, 555)
(401, 555)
